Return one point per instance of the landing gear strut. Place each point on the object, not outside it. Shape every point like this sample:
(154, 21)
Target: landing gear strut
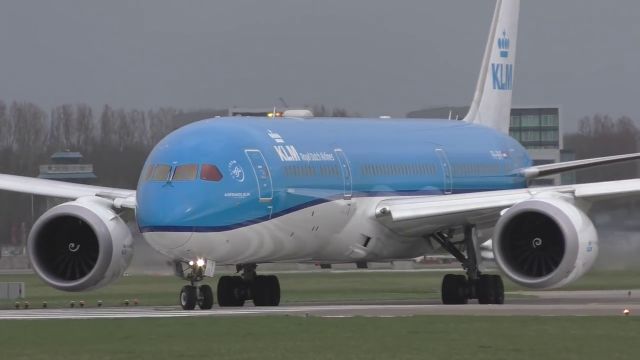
(264, 290)
(192, 294)
(458, 289)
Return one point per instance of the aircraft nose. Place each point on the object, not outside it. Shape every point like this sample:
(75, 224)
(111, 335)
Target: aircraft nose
(166, 224)
(164, 228)
(167, 240)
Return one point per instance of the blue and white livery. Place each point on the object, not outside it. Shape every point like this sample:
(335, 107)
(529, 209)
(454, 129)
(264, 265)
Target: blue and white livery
(245, 191)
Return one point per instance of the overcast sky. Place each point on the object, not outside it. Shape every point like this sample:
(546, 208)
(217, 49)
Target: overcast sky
(376, 57)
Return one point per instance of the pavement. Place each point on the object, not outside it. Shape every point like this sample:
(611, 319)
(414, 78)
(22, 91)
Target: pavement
(528, 303)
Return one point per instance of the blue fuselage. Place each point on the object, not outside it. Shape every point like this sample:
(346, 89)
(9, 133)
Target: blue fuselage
(259, 169)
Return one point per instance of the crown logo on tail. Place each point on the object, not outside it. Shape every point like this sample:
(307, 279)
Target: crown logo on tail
(503, 45)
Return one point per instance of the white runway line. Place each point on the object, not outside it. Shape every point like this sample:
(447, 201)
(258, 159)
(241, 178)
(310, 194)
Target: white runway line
(335, 311)
(114, 313)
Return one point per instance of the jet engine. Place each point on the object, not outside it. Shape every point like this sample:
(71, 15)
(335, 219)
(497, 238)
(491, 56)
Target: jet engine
(545, 243)
(80, 245)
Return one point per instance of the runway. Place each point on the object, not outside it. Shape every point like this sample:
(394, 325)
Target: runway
(548, 303)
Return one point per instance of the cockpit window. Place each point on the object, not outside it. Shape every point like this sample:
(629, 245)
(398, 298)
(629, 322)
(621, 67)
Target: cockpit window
(161, 173)
(148, 172)
(210, 173)
(185, 173)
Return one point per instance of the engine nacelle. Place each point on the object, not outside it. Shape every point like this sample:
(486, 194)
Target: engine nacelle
(545, 243)
(80, 245)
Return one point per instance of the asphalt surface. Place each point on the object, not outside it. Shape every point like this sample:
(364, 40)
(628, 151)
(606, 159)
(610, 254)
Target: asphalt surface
(548, 303)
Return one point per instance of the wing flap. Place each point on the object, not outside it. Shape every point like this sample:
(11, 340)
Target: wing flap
(608, 190)
(411, 209)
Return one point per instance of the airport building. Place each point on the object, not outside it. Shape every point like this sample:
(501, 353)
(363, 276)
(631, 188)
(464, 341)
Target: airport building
(267, 112)
(66, 166)
(538, 130)
(271, 112)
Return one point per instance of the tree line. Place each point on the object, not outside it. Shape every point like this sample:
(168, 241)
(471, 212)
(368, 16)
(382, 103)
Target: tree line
(116, 141)
(602, 135)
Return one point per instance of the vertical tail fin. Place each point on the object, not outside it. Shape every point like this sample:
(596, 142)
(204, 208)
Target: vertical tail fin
(491, 104)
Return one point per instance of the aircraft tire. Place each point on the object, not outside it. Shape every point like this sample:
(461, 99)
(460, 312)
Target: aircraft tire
(499, 286)
(490, 290)
(266, 291)
(486, 290)
(188, 297)
(238, 291)
(229, 291)
(205, 300)
(274, 283)
(454, 289)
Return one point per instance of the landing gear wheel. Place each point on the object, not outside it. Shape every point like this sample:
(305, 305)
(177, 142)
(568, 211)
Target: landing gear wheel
(275, 288)
(458, 289)
(231, 291)
(260, 291)
(188, 297)
(239, 291)
(225, 291)
(205, 298)
(499, 286)
(486, 290)
(490, 289)
(454, 289)
(266, 291)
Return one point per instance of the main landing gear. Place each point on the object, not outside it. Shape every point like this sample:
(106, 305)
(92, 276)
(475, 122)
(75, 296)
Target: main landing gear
(192, 295)
(264, 290)
(458, 289)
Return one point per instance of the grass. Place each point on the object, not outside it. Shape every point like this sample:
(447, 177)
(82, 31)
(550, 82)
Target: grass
(296, 287)
(608, 280)
(289, 337)
(281, 337)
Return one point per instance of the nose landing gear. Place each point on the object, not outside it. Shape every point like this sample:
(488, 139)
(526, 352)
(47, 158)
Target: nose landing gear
(192, 294)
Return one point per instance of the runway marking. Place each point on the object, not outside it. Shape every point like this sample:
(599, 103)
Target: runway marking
(334, 311)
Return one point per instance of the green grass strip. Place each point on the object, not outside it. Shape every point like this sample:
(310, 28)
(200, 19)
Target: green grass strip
(282, 337)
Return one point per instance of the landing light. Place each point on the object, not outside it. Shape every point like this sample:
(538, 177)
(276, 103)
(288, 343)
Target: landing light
(200, 262)
(191, 263)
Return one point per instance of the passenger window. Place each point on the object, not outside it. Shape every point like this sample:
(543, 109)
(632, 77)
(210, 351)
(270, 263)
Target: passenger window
(161, 173)
(210, 173)
(185, 173)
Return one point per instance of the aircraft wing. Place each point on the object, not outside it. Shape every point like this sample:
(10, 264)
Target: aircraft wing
(407, 216)
(122, 198)
(551, 169)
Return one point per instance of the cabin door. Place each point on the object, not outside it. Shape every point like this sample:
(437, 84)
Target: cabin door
(446, 171)
(345, 169)
(263, 175)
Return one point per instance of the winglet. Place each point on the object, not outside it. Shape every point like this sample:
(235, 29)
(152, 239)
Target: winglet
(491, 105)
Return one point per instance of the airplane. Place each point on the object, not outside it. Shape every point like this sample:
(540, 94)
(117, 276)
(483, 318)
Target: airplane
(245, 191)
